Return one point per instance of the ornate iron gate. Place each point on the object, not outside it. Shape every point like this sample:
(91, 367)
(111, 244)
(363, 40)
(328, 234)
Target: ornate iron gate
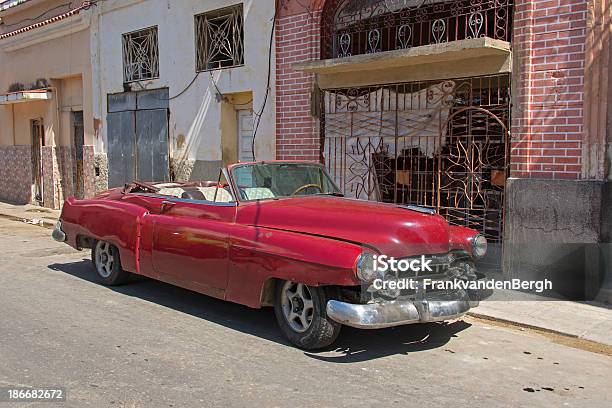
(439, 144)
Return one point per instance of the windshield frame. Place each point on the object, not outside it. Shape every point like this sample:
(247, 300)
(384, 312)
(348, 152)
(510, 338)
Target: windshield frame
(235, 189)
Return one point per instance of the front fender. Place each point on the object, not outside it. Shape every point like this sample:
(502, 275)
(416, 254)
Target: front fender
(258, 254)
(460, 239)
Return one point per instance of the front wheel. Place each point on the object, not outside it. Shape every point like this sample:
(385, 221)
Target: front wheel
(301, 314)
(105, 258)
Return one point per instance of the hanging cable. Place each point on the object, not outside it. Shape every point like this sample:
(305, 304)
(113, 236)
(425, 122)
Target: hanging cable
(263, 106)
(186, 88)
(25, 20)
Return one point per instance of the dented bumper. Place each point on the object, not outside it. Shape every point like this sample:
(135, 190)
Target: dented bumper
(401, 312)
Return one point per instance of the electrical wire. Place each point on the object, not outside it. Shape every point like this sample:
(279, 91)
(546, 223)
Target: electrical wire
(144, 88)
(212, 79)
(25, 20)
(222, 95)
(184, 90)
(263, 106)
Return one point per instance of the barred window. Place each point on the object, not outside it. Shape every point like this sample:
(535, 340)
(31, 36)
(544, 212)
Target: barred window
(220, 38)
(140, 55)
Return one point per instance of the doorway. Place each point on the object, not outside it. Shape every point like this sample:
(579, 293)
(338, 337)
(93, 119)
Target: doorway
(438, 144)
(79, 140)
(245, 135)
(138, 147)
(37, 130)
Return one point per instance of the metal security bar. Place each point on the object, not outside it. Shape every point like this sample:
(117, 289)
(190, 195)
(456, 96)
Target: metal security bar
(353, 27)
(438, 144)
(140, 55)
(220, 38)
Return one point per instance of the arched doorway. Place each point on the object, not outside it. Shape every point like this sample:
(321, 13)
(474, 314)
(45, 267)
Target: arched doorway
(473, 169)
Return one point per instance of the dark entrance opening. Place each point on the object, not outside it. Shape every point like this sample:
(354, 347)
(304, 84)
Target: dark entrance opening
(79, 140)
(37, 130)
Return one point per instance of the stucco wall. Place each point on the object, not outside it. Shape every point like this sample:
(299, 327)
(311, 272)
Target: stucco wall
(57, 52)
(195, 116)
(59, 56)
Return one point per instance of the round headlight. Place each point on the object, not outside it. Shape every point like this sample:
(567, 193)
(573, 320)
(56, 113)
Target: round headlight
(365, 267)
(479, 246)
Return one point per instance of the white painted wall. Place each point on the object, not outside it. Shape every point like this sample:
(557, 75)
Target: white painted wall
(196, 114)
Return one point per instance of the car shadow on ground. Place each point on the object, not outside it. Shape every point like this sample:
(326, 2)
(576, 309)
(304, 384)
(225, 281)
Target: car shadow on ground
(352, 346)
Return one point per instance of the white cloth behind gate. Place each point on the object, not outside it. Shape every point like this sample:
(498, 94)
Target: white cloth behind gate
(382, 122)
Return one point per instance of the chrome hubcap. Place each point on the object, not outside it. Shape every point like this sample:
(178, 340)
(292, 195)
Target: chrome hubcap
(104, 259)
(298, 307)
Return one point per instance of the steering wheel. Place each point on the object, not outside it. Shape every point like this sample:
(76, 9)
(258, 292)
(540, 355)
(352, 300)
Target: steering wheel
(305, 186)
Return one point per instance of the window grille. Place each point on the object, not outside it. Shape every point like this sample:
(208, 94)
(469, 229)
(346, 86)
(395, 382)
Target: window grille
(371, 26)
(220, 38)
(140, 55)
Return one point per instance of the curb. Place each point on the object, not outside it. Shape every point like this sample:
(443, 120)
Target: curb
(566, 339)
(570, 337)
(524, 325)
(31, 221)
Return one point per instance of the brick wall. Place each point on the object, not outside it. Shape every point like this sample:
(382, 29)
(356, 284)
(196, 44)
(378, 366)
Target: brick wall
(547, 127)
(548, 116)
(297, 134)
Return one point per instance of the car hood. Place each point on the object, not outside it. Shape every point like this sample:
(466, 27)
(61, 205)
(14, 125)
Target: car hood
(391, 229)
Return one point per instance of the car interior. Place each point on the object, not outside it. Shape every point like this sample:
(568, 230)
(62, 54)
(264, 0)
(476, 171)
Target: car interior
(200, 191)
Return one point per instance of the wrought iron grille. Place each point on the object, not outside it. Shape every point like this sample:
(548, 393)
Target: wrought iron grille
(220, 38)
(438, 144)
(140, 55)
(352, 27)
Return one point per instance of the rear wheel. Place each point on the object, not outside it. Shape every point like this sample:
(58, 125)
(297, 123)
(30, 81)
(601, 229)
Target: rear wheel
(106, 260)
(301, 314)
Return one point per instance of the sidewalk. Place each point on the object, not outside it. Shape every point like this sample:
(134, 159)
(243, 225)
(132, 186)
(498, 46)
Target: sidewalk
(586, 321)
(30, 214)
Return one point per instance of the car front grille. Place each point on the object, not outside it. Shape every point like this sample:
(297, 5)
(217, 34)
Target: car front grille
(444, 266)
(440, 265)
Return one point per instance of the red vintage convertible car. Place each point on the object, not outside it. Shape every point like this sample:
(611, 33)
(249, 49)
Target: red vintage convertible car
(276, 234)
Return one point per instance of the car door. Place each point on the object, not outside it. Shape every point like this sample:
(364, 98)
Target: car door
(191, 244)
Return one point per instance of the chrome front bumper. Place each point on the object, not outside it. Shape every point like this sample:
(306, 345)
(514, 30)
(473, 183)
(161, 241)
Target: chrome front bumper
(400, 312)
(58, 234)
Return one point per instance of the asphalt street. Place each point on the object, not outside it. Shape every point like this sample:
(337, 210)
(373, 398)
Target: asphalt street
(148, 344)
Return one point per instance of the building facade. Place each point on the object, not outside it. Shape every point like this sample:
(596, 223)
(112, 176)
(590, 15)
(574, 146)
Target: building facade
(97, 94)
(495, 113)
(46, 123)
(181, 86)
